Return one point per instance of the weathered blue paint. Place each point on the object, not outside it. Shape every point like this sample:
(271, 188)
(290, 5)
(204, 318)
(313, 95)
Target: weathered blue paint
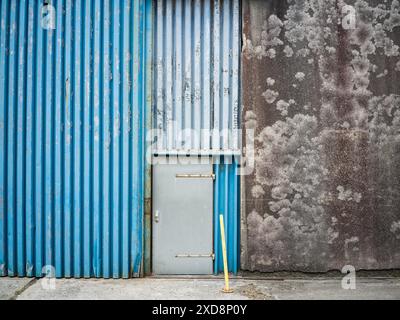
(72, 117)
(227, 203)
(196, 76)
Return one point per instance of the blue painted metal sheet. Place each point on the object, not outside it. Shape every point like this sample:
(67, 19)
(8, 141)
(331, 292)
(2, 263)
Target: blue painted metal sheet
(227, 203)
(196, 76)
(72, 104)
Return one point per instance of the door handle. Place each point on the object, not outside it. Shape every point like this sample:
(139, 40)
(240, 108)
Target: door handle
(157, 216)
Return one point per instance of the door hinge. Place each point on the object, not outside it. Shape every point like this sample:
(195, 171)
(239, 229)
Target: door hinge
(212, 256)
(196, 176)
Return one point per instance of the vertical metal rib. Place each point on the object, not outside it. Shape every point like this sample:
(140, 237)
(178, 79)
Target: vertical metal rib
(71, 130)
(197, 47)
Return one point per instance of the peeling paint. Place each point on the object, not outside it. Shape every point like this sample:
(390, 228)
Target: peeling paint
(29, 269)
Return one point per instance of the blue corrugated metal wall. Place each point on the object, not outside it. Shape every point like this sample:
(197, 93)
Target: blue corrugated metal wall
(227, 203)
(71, 127)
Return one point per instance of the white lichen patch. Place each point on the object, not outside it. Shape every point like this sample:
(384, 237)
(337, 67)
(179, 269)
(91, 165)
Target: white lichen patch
(300, 76)
(357, 197)
(283, 107)
(348, 195)
(257, 191)
(332, 235)
(271, 53)
(250, 120)
(270, 96)
(395, 229)
(344, 195)
(288, 51)
(383, 74)
(270, 82)
(269, 39)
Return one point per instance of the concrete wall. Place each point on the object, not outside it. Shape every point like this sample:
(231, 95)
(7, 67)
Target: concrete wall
(324, 101)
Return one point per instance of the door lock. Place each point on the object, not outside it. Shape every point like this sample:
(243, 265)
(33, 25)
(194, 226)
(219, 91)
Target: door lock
(157, 216)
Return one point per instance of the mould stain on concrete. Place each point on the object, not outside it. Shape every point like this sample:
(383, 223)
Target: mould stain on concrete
(322, 99)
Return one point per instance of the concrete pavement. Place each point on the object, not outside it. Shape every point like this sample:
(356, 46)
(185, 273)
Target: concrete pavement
(198, 289)
(10, 288)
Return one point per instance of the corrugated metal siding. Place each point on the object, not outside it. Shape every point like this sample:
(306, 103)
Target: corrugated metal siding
(227, 202)
(148, 121)
(196, 79)
(71, 128)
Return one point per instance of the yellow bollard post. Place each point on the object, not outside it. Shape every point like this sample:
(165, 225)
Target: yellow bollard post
(227, 289)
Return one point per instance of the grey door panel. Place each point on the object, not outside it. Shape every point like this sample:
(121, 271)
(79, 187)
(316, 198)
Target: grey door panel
(182, 219)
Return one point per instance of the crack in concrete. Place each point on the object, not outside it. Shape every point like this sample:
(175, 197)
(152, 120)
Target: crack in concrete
(24, 288)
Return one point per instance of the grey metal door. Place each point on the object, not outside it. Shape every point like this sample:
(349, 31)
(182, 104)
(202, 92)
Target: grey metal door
(182, 219)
